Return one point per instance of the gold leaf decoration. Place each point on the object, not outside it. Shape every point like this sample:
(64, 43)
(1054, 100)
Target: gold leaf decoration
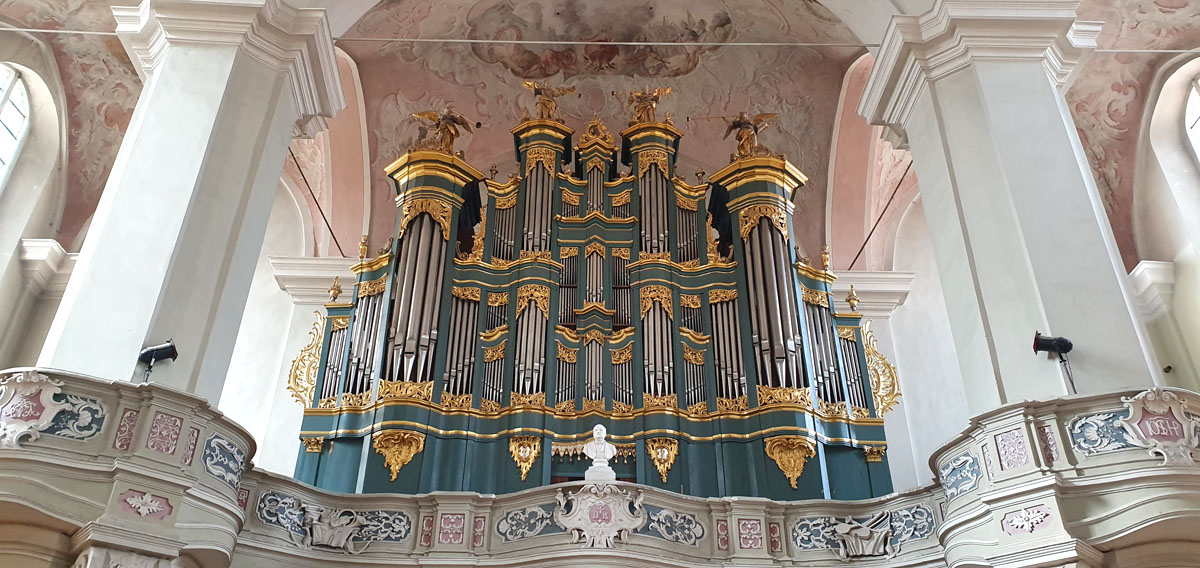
(594, 248)
(790, 453)
(859, 413)
(568, 252)
(885, 385)
(535, 399)
(593, 335)
(595, 164)
(650, 294)
(494, 353)
(404, 389)
(621, 407)
(815, 297)
(313, 445)
(655, 256)
(622, 198)
(621, 253)
(593, 405)
(595, 131)
(622, 355)
(750, 216)
(874, 453)
(456, 401)
(739, 404)
(330, 402)
(497, 298)
(506, 201)
(472, 294)
(302, 378)
(398, 448)
(687, 204)
(566, 354)
(698, 409)
(356, 400)
(718, 296)
(768, 396)
(567, 406)
(438, 210)
(544, 156)
(489, 406)
(372, 287)
(339, 323)
(538, 293)
(689, 300)
(847, 333)
(664, 401)
(477, 239)
(662, 452)
(524, 450)
(693, 356)
(571, 198)
(647, 158)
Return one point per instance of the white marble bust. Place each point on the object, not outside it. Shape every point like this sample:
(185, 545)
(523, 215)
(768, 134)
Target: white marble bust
(600, 451)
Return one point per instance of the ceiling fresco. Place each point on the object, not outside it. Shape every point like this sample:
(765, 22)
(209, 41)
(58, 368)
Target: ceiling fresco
(484, 81)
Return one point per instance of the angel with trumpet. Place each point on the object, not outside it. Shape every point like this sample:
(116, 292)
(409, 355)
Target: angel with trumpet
(439, 130)
(546, 107)
(644, 103)
(746, 128)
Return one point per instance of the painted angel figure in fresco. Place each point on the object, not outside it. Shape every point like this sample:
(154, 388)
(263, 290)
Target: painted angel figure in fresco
(644, 103)
(444, 127)
(747, 129)
(546, 107)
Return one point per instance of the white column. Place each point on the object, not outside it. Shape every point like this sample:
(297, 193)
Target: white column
(879, 294)
(173, 243)
(1020, 236)
(307, 281)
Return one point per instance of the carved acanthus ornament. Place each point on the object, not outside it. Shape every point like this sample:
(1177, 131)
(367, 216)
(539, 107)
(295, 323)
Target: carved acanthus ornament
(718, 296)
(437, 209)
(302, 377)
(456, 401)
(622, 198)
(524, 450)
(815, 297)
(568, 252)
(404, 389)
(497, 298)
(662, 452)
(622, 355)
(1160, 421)
(372, 287)
(356, 400)
(693, 356)
(506, 201)
(874, 453)
(487, 405)
(571, 198)
(687, 204)
(698, 409)
(622, 407)
(595, 164)
(471, 294)
(847, 332)
(689, 301)
(664, 256)
(592, 335)
(664, 401)
(398, 448)
(494, 353)
(338, 323)
(535, 399)
(885, 385)
(477, 240)
(544, 156)
(538, 293)
(592, 405)
(739, 404)
(749, 218)
(27, 406)
(594, 248)
(790, 453)
(595, 131)
(313, 445)
(621, 253)
(329, 402)
(651, 294)
(647, 158)
(566, 354)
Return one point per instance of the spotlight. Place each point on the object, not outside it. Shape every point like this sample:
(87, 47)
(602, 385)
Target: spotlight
(1056, 345)
(157, 353)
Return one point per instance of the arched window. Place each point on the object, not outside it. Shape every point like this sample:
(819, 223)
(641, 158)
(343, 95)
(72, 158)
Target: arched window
(14, 118)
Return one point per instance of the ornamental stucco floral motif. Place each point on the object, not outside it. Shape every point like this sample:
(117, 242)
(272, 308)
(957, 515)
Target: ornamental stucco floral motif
(959, 475)
(313, 526)
(1011, 447)
(478, 531)
(1026, 521)
(672, 526)
(722, 530)
(451, 527)
(599, 514)
(1049, 444)
(27, 406)
(223, 460)
(750, 534)
(164, 433)
(524, 523)
(125, 427)
(1160, 421)
(145, 505)
(906, 525)
(189, 449)
(82, 419)
(1098, 433)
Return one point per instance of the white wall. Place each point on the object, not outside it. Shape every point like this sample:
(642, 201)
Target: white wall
(931, 385)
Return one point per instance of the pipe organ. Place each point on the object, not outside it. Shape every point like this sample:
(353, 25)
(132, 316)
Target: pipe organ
(508, 317)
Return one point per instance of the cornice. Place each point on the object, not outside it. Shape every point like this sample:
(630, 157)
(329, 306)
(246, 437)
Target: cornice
(295, 41)
(917, 50)
(46, 267)
(879, 293)
(307, 279)
(1153, 284)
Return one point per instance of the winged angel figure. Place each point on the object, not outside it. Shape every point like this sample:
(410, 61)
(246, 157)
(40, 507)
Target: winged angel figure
(747, 130)
(644, 103)
(546, 107)
(438, 131)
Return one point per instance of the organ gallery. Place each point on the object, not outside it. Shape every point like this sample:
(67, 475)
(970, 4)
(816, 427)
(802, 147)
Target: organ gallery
(507, 317)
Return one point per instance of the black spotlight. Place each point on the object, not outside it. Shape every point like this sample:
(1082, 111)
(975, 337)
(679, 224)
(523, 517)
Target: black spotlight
(1056, 345)
(157, 353)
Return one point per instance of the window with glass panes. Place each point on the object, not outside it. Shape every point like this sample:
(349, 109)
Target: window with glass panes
(14, 117)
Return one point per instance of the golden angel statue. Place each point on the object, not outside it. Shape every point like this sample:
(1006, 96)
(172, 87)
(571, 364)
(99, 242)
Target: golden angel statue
(444, 127)
(747, 129)
(546, 107)
(644, 103)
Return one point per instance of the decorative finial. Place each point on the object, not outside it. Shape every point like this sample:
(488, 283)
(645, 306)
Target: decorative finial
(493, 171)
(387, 247)
(667, 118)
(335, 290)
(362, 248)
(825, 257)
(852, 299)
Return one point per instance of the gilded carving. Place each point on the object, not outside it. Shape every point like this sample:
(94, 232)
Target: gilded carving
(693, 356)
(783, 395)
(302, 377)
(472, 294)
(815, 297)
(687, 204)
(524, 450)
(621, 253)
(790, 453)
(477, 240)
(694, 335)
(664, 401)
(662, 452)
(594, 248)
(339, 323)
(595, 164)
(444, 126)
(313, 445)
(372, 287)
(622, 355)
(535, 399)
(538, 293)
(885, 385)
(663, 256)
(404, 389)
(593, 335)
(546, 106)
(497, 298)
(874, 453)
(544, 156)
(650, 294)
(489, 406)
(698, 409)
(568, 252)
(328, 402)
(859, 413)
(750, 216)
(646, 158)
(412, 208)
(571, 198)
(335, 290)
(593, 405)
(739, 404)
(847, 332)
(494, 353)
(622, 407)
(456, 401)
(566, 354)
(356, 400)
(644, 104)
(506, 201)
(852, 299)
(398, 448)
(718, 296)
(622, 198)
(595, 131)
(689, 301)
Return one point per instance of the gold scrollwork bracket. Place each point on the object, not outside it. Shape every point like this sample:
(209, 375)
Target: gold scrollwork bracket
(438, 210)
(885, 384)
(646, 158)
(398, 448)
(302, 378)
(790, 453)
(750, 215)
(524, 451)
(662, 452)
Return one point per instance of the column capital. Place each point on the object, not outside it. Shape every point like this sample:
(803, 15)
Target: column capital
(917, 50)
(307, 279)
(296, 41)
(879, 293)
